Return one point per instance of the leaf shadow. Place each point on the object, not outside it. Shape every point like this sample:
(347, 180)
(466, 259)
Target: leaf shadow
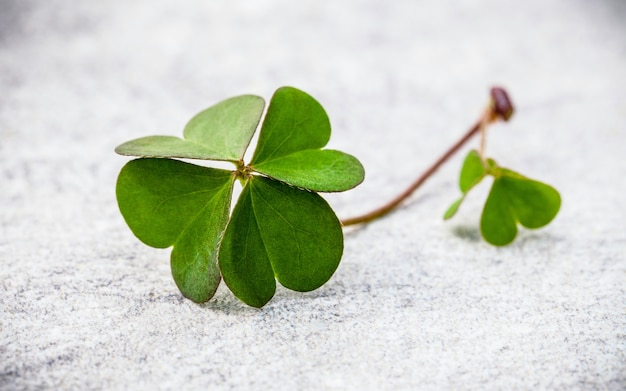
(527, 237)
(469, 233)
(226, 303)
(524, 236)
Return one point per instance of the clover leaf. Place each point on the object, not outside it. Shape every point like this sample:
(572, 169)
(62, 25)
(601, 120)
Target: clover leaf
(294, 130)
(280, 228)
(279, 231)
(513, 199)
(221, 132)
(472, 172)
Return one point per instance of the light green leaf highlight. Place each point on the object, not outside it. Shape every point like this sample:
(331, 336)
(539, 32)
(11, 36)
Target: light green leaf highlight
(317, 170)
(472, 172)
(167, 202)
(294, 122)
(221, 132)
(228, 126)
(277, 229)
(452, 209)
(165, 146)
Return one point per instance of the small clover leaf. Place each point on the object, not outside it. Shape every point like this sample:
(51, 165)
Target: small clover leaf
(453, 208)
(513, 199)
(472, 172)
(275, 232)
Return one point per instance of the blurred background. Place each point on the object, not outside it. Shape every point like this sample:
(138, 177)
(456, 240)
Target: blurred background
(404, 78)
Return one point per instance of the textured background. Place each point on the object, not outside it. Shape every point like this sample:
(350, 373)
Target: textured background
(416, 302)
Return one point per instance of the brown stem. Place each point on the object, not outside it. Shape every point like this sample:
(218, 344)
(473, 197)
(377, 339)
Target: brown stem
(383, 210)
(499, 107)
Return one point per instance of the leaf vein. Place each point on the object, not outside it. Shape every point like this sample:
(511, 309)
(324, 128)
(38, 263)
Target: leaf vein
(293, 228)
(291, 132)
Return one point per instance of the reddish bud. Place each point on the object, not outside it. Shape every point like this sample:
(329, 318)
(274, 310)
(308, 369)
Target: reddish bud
(502, 105)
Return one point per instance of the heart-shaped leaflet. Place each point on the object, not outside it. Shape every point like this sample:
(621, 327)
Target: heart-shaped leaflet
(513, 199)
(516, 199)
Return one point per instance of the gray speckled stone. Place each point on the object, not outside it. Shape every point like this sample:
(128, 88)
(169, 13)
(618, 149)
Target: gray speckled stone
(416, 303)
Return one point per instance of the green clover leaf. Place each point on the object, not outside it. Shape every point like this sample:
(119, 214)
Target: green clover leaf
(168, 202)
(294, 130)
(472, 172)
(221, 132)
(280, 229)
(513, 199)
(283, 232)
(516, 199)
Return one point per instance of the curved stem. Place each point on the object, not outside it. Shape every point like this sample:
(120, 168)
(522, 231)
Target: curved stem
(499, 108)
(487, 117)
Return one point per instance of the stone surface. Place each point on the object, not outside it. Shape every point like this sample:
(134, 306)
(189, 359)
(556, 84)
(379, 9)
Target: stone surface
(417, 303)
